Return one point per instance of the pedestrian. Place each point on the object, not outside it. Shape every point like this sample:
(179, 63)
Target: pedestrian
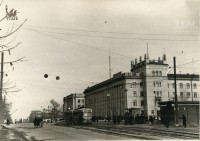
(114, 119)
(151, 120)
(41, 122)
(7, 122)
(184, 120)
(166, 119)
(118, 119)
(35, 122)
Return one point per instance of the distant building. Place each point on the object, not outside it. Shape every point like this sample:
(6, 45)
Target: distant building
(35, 113)
(140, 90)
(73, 101)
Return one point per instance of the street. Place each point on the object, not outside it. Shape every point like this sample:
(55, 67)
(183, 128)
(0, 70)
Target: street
(54, 133)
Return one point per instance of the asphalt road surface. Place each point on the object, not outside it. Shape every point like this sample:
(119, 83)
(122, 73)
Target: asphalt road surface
(54, 133)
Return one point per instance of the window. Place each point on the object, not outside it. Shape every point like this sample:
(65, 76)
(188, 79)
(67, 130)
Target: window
(195, 94)
(79, 106)
(157, 93)
(134, 93)
(134, 103)
(160, 73)
(141, 94)
(141, 84)
(152, 111)
(133, 85)
(156, 73)
(188, 94)
(181, 85)
(181, 94)
(153, 72)
(79, 101)
(173, 85)
(194, 85)
(83, 101)
(188, 85)
(157, 84)
(168, 85)
(142, 103)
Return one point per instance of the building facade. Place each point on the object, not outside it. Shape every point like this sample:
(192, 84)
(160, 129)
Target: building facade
(140, 90)
(73, 101)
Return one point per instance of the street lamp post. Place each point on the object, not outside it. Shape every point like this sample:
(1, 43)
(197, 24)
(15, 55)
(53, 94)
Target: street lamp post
(176, 100)
(108, 104)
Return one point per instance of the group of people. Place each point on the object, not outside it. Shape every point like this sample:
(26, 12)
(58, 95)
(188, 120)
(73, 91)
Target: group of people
(139, 119)
(38, 122)
(116, 119)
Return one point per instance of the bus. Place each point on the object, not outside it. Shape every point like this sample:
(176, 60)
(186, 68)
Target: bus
(78, 116)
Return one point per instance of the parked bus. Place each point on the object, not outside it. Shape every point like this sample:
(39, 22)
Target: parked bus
(78, 117)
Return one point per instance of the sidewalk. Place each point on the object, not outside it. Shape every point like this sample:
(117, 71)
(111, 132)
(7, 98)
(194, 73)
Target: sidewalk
(155, 126)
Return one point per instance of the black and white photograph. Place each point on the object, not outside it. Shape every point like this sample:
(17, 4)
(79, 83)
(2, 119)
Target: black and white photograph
(99, 70)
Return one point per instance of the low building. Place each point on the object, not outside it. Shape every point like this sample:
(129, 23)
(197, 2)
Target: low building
(189, 108)
(73, 101)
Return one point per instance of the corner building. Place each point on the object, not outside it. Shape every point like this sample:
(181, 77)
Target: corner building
(140, 90)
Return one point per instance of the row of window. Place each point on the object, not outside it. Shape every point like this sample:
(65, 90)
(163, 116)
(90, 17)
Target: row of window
(158, 93)
(135, 103)
(181, 85)
(133, 85)
(187, 94)
(80, 106)
(157, 73)
(81, 100)
(135, 94)
(157, 84)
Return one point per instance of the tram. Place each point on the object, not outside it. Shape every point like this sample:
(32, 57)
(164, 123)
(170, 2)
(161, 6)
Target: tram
(78, 116)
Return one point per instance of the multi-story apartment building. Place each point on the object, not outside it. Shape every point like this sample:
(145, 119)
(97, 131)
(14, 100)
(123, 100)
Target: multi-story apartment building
(73, 101)
(140, 90)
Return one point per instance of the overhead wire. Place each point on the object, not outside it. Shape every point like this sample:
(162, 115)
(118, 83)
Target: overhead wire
(115, 37)
(111, 32)
(81, 44)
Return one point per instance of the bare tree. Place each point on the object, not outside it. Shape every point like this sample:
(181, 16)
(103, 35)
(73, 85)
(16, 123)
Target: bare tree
(55, 108)
(7, 45)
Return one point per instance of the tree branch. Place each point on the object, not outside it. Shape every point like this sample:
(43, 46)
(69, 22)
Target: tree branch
(20, 59)
(14, 30)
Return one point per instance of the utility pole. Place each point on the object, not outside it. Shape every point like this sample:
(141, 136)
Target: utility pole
(109, 65)
(1, 81)
(176, 100)
(192, 88)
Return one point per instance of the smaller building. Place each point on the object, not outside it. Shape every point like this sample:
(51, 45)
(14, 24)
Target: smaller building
(73, 101)
(189, 108)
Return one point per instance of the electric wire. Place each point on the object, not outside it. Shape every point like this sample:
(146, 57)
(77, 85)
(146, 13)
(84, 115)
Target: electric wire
(110, 32)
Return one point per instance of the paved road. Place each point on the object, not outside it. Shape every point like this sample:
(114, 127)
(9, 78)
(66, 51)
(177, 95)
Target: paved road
(58, 133)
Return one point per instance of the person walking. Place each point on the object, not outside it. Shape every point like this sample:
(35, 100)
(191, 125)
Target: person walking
(184, 120)
(35, 122)
(166, 119)
(151, 119)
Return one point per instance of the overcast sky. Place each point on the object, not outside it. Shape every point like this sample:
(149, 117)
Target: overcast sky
(71, 39)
